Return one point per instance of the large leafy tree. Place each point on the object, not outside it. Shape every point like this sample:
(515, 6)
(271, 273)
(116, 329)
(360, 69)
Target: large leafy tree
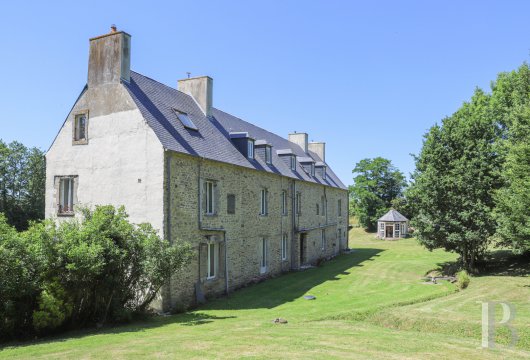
(22, 183)
(457, 173)
(376, 184)
(511, 103)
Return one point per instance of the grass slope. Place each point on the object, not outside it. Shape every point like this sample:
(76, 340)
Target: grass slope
(370, 304)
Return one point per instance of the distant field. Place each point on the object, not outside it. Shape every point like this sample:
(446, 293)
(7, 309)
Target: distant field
(369, 304)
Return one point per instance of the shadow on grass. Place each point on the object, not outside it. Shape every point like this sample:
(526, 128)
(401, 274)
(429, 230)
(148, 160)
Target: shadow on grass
(291, 286)
(495, 263)
(268, 294)
(186, 319)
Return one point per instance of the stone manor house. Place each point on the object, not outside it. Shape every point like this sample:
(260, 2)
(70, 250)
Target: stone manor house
(253, 204)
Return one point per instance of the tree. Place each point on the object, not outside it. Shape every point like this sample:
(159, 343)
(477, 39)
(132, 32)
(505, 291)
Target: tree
(375, 186)
(22, 183)
(511, 101)
(457, 173)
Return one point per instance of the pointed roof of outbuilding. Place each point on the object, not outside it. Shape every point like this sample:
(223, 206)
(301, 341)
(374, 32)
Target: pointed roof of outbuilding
(393, 215)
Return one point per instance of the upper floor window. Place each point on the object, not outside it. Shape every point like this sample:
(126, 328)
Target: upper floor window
(80, 128)
(250, 149)
(209, 197)
(284, 202)
(323, 239)
(263, 202)
(318, 210)
(293, 162)
(323, 201)
(268, 154)
(312, 169)
(324, 172)
(65, 205)
(339, 209)
(298, 203)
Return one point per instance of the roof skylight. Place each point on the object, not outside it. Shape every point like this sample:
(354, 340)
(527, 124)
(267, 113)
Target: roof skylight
(185, 120)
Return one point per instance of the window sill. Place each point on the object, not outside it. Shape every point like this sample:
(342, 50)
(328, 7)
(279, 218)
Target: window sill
(80, 142)
(66, 214)
(211, 215)
(263, 215)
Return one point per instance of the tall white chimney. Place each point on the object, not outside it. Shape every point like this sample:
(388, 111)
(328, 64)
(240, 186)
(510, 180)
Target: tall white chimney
(201, 89)
(299, 139)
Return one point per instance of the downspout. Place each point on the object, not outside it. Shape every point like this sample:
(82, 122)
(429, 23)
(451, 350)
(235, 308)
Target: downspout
(168, 215)
(199, 219)
(293, 219)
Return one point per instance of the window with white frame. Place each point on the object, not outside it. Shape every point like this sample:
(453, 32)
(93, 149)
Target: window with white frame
(284, 247)
(80, 127)
(263, 255)
(382, 230)
(293, 162)
(66, 196)
(324, 172)
(250, 149)
(212, 259)
(298, 203)
(268, 154)
(396, 230)
(284, 202)
(312, 169)
(323, 239)
(209, 197)
(263, 202)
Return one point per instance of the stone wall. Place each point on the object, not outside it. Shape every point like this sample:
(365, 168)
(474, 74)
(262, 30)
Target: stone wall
(240, 235)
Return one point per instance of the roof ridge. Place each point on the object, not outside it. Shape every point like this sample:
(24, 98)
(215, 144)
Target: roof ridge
(161, 83)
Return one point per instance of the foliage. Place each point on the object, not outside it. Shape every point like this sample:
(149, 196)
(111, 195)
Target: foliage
(457, 173)
(376, 185)
(83, 272)
(511, 97)
(22, 183)
(462, 279)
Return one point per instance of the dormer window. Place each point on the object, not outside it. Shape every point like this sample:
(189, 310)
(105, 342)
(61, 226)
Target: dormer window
(250, 149)
(312, 169)
(268, 154)
(293, 162)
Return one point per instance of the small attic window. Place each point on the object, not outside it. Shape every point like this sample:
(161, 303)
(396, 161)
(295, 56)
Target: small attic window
(268, 154)
(293, 162)
(185, 120)
(250, 149)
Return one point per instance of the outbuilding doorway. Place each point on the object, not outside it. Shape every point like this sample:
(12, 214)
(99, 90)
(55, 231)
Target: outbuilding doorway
(389, 231)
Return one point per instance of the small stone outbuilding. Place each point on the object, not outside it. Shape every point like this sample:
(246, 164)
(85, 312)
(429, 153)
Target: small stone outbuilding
(392, 225)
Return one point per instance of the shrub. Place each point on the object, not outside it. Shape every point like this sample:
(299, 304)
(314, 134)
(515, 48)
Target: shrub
(462, 279)
(82, 272)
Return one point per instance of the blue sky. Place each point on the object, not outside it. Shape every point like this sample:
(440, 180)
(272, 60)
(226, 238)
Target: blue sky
(368, 78)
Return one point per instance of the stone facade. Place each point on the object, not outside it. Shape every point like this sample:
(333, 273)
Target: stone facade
(240, 235)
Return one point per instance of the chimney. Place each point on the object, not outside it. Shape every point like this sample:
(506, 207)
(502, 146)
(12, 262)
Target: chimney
(201, 90)
(109, 61)
(299, 139)
(318, 148)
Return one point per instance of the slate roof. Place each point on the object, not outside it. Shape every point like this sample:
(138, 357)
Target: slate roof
(156, 102)
(393, 215)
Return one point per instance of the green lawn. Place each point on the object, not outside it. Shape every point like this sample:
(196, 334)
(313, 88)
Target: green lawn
(370, 304)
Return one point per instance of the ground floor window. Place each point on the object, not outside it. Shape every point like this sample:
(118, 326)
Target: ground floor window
(284, 247)
(213, 259)
(263, 255)
(323, 239)
(396, 230)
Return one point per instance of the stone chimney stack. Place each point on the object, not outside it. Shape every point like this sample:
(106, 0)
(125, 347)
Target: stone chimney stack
(201, 89)
(299, 139)
(109, 61)
(318, 148)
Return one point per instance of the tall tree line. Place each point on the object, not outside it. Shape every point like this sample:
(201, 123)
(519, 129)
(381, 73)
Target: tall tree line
(22, 183)
(471, 186)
